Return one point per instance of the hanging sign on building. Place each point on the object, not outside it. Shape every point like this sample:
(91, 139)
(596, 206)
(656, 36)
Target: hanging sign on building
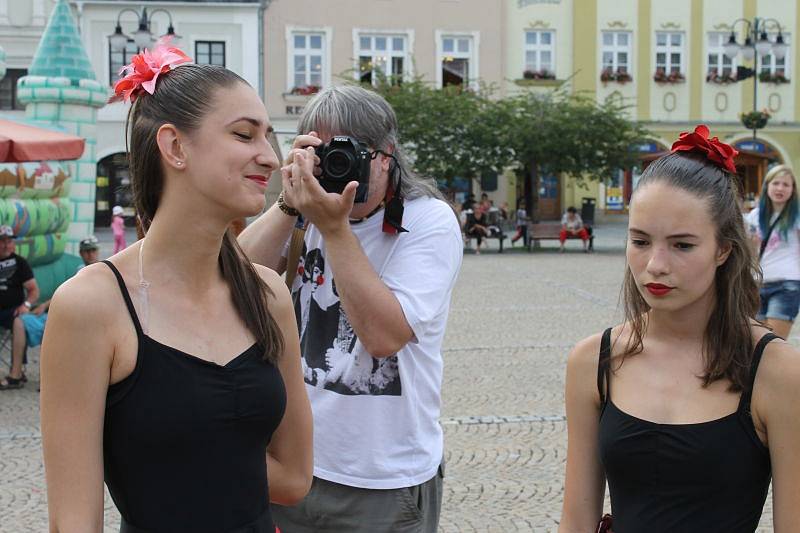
(752, 146)
(647, 148)
(614, 199)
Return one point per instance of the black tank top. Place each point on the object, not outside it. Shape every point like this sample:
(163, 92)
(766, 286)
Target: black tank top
(185, 440)
(709, 477)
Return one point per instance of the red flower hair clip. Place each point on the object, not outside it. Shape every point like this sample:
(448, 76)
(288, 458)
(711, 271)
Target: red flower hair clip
(715, 150)
(142, 73)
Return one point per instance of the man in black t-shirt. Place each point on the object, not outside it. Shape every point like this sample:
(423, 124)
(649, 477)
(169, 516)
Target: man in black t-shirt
(18, 293)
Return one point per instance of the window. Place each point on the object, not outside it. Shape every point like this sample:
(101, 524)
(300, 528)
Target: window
(209, 53)
(307, 51)
(540, 52)
(382, 55)
(669, 52)
(117, 60)
(456, 58)
(617, 51)
(771, 67)
(719, 65)
(8, 89)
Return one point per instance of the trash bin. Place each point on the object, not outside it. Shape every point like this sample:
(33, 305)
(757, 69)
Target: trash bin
(587, 210)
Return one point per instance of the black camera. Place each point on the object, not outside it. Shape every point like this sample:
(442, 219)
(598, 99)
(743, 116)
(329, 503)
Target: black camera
(343, 160)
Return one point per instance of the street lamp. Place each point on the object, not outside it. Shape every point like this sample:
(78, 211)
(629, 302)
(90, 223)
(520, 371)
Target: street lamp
(756, 44)
(142, 36)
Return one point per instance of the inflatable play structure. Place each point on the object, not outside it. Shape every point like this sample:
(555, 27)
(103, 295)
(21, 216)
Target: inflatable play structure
(47, 163)
(34, 201)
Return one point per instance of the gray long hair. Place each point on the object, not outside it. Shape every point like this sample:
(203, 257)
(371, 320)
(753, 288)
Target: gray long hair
(366, 116)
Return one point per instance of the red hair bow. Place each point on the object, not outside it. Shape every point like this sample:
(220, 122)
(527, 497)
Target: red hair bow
(715, 150)
(142, 73)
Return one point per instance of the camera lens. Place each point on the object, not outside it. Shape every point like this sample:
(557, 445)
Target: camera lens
(338, 164)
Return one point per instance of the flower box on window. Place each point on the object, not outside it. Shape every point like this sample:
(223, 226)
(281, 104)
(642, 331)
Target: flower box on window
(618, 76)
(720, 79)
(777, 78)
(305, 90)
(755, 120)
(538, 75)
(673, 77)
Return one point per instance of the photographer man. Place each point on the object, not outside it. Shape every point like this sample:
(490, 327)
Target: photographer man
(372, 294)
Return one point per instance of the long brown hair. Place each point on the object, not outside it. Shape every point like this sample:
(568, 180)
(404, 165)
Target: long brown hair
(728, 339)
(183, 97)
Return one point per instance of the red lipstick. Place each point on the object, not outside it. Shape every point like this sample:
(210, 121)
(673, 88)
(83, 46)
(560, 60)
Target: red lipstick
(261, 180)
(657, 289)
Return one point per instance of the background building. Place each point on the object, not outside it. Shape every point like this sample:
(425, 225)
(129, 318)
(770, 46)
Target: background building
(213, 31)
(666, 61)
(312, 44)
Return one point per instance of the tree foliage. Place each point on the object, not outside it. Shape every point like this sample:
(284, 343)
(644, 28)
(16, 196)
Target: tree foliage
(450, 132)
(454, 132)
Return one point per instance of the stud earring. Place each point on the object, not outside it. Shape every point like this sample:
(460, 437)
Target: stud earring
(179, 163)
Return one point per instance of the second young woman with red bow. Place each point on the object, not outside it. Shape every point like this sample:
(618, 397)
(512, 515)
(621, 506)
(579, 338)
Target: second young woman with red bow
(689, 407)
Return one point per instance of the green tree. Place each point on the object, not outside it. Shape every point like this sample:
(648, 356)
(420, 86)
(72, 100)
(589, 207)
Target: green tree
(449, 132)
(561, 133)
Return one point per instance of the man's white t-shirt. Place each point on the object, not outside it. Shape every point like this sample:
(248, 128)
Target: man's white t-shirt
(376, 420)
(781, 259)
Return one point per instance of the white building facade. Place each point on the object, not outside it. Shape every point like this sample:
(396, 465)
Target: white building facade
(216, 32)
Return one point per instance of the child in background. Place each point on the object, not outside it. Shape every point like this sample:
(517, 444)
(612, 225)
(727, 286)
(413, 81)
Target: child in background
(521, 222)
(118, 227)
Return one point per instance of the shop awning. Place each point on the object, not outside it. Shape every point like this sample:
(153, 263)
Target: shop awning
(20, 143)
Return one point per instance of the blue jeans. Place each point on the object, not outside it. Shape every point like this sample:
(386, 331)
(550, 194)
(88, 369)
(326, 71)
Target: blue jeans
(779, 300)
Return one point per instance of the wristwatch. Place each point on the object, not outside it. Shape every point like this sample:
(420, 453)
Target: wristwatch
(27, 304)
(291, 211)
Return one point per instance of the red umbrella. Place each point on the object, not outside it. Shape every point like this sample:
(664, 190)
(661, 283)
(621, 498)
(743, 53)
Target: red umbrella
(20, 143)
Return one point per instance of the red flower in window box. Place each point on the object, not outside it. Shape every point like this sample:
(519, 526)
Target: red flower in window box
(306, 90)
(673, 77)
(620, 76)
(777, 78)
(538, 75)
(720, 79)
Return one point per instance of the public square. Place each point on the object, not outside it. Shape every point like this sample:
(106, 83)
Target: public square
(513, 320)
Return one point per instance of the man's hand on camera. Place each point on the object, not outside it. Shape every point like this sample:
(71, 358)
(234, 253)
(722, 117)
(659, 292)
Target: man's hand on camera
(301, 189)
(301, 142)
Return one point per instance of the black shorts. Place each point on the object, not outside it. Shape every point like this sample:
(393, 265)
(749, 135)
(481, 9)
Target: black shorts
(7, 317)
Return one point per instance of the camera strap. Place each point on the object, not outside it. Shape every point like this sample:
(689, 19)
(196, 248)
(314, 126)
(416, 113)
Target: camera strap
(393, 211)
(295, 251)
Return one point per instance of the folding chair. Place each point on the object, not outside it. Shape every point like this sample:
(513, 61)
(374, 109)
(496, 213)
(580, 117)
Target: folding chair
(5, 348)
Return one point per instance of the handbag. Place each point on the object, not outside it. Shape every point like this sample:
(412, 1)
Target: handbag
(605, 523)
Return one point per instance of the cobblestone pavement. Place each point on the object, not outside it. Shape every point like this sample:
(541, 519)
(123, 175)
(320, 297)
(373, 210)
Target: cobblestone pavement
(513, 319)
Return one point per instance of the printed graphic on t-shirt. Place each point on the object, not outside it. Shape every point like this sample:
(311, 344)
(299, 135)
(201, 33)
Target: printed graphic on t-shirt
(7, 269)
(774, 241)
(327, 339)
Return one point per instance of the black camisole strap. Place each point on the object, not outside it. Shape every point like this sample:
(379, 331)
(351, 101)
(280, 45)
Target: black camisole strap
(747, 395)
(127, 297)
(604, 368)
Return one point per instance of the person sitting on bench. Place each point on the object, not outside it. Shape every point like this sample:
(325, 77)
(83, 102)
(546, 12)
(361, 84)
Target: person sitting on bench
(572, 228)
(18, 293)
(477, 226)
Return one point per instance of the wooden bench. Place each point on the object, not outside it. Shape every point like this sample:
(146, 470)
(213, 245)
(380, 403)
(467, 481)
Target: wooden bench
(501, 237)
(542, 231)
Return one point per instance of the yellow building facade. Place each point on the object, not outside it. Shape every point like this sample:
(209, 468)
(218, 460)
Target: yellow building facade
(666, 62)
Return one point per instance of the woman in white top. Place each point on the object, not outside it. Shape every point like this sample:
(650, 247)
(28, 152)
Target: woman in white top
(775, 227)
